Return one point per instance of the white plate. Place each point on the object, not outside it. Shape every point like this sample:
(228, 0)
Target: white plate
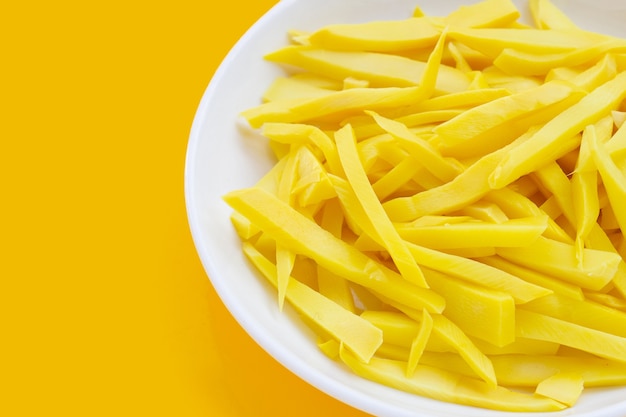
(222, 156)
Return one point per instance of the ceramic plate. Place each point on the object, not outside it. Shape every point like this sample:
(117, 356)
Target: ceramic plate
(224, 155)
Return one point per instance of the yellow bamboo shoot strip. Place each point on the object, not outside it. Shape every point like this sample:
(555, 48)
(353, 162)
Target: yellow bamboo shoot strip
(381, 70)
(466, 188)
(288, 88)
(434, 69)
(448, 361)
(351, 82)
(307, 238)
(443, 168)
(396, 178)
(295, 133)
(339, 104)
(330, 347)
(534, 277)
(486, 13)
(357, 334)
(265, 244)
(447, 386)
(598, 239)
(525, 186)
(506, 132)
(478, 79)
(547, 144)
(521, 345)
(367, 238)
(461, 63)
(585, 189)
(603, 71)
(516, 205)
(613, 301)
(449, 333)
(388, 157)
(313, 185)
(582, 312)
(476, 60)
(559, 260)
(492, 41)
(418, 345)
(372, 149)
(562, 73)
(269, 181)
(530, 370)
(398, 353)
(496, 78)
(585, 198)
(371, 207)
(616, 145)
(428, 117)
(484, 211)
(613, 179)
(512, 233)
(317, 80)
(304, 270)
(330, 284)
(379, 154)
(364, 127)
(366, 299)
(608, 220)
(486, 125)
(471, 253)
(620, 244)
(532, 63)
(285, 258)
(542, 327)
(424, 181)
(377, 36)
(554, 180)
(552, 209)
(480, 312)
(400, 330)
(298, 37)
(426, 221)
(619, 117)
(454, 336)
(477, 273)
(245, 230)
(453, 101)
(547, 16)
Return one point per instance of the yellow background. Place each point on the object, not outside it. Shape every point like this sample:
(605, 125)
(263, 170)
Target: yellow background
(105, 309)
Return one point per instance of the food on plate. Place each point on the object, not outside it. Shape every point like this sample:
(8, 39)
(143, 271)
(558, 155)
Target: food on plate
(446, 207)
